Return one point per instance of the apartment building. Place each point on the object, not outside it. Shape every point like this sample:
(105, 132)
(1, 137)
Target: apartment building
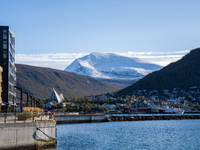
(7, 62)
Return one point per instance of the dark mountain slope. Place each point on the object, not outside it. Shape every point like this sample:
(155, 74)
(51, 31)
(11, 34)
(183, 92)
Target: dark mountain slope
(39, 82)
(183, 73)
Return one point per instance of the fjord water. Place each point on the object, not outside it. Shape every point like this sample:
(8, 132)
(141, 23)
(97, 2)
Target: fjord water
(137, 135)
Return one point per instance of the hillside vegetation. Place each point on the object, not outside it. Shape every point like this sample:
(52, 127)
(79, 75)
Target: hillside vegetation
(39, 82)
(183, 74)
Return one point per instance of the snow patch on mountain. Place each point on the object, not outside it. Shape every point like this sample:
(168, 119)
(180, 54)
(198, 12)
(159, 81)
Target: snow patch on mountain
(111, 66)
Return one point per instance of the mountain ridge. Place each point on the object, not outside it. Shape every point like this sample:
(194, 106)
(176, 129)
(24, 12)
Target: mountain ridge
(39, 81)
(183, 73)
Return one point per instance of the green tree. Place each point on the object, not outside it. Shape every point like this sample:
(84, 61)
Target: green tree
(76, 108)
(42, 104)
(197, 106)
(67, 99)
(81, 108)
(101, 101)
(70, 109)
(153, 100)
(141, 97)
(82, 99)
(189, 98)
(190, 104)
(120, 100)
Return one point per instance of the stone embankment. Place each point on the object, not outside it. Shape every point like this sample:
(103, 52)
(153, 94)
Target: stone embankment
(143, 118)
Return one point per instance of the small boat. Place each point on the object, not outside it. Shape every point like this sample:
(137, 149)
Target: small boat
(167, 110)
(155, 108)
(179, 111)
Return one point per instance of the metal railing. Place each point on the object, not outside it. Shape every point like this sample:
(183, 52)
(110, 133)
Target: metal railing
(25, 117)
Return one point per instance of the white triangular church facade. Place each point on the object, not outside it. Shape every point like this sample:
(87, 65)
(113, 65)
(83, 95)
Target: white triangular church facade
(54, 97)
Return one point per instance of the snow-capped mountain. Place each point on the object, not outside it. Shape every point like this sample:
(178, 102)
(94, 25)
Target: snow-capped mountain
(111, 66)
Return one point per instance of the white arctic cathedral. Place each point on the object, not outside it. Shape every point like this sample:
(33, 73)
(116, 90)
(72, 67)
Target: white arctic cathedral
(54, 97)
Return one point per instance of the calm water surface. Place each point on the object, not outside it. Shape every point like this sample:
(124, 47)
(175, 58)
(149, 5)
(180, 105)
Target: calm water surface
(136, 135)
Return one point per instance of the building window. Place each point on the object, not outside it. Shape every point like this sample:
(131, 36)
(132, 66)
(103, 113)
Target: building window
(4, 54)
(4, 63)
(4, 44)
(5, 34)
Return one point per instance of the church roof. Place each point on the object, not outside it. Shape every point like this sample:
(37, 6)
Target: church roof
(54, 97)
(61, 96)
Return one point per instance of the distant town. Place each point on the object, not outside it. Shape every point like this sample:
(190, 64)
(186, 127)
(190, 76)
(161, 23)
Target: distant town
(140, 101)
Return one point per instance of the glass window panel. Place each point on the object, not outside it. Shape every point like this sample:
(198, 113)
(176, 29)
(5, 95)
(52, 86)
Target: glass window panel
(4, 54)
(4, 44)
(5, 34)
(4, 63)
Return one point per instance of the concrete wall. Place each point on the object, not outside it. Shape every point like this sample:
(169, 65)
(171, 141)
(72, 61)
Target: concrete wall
(15, 135)
(79, 118)
(48, 127)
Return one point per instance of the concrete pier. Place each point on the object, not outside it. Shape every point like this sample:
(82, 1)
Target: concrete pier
(63, 119)
(67, 119)
(28, 135)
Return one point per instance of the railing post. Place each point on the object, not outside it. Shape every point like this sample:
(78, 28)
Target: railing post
(15, 118)
(21, 103)
(21, 97)
(5, 116)
(27, 98)
(33, 117)
(34, 102)
(31, 100)
(25, 119)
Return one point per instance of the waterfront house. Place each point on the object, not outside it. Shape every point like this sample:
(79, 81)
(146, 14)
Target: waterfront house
(104, 97)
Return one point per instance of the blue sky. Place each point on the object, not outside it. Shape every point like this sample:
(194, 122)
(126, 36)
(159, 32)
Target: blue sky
(79, 27)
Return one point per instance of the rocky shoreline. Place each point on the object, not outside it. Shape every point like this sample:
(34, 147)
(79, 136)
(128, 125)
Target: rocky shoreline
(145, 118)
